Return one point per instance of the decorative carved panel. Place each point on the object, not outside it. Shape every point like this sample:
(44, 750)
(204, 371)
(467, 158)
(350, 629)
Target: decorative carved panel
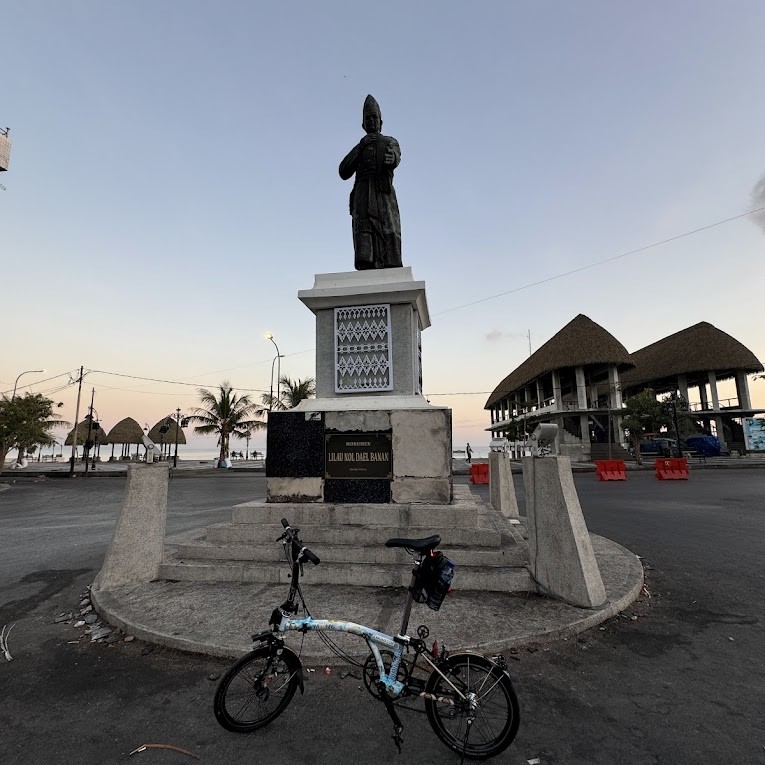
(363, 357)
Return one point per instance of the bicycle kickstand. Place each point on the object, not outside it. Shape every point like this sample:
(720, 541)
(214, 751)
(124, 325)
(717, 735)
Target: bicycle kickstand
(398, 728)
(470, 721)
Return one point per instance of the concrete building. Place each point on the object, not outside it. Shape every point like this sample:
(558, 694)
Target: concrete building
(580, 378)
(692, 362)
(574, 381)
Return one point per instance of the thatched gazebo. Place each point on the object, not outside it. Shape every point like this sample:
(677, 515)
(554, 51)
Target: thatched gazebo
(692, 362)
(97, 435)
(126, 432)
(573, 380)
(166, 440)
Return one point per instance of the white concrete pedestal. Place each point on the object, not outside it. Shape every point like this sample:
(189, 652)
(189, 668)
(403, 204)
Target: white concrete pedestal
(135, 552)
(562, 558)
(501, 488)
(368, 326)
(369, 380)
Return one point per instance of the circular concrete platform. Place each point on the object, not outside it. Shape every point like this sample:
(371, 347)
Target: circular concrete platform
(218, 619)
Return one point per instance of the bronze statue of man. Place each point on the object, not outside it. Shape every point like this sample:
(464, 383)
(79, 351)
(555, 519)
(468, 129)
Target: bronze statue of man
(374, 208)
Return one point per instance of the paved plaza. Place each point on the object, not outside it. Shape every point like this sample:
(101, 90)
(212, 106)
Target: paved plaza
(678, 683)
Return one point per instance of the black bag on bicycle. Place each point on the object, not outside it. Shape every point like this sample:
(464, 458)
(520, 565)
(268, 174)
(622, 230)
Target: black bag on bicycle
(434, 580)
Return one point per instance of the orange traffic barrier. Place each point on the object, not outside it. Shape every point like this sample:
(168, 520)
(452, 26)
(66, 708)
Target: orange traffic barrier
(672, 469)
(479, 472)
(611, 470)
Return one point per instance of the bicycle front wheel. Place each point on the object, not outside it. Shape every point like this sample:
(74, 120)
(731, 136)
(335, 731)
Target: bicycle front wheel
(256, 689)
(485, 693)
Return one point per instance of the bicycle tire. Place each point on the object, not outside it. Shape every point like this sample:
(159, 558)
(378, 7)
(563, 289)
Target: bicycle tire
(497, 715)
(256, 689)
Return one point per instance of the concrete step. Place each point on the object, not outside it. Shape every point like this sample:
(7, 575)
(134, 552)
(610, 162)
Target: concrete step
(482, 578)
(205, 550)
(361, 536)
(463, 513)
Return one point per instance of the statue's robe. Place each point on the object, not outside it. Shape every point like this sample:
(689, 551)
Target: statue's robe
(373, 204)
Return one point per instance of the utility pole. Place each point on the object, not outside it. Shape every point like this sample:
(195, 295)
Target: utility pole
(529, 333)
(177, 425)
(90, 428)
(74, 432)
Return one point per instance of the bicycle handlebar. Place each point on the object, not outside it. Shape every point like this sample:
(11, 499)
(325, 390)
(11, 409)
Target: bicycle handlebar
(305, 554)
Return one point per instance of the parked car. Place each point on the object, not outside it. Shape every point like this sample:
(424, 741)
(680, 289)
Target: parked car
(709, 446)
(659, 445)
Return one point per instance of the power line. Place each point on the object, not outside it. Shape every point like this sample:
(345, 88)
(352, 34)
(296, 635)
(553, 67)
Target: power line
(602, 262)
(169, 382)
(463, 393)
(37, 382)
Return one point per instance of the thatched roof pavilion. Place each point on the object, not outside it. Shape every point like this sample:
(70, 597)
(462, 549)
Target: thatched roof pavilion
(580, 343)
(693, 362)
(167, 438)
(126, 431)
(692, 352)
(82, 433)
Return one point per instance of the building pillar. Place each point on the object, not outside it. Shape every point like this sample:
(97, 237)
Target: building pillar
(713, 389)
(556, 390)
(720, 433)
(540, 393)
(581, 390)
(619, 431)
(614, 388)
(682, 386)
(584, 426)
(703, 396)
(742, 391)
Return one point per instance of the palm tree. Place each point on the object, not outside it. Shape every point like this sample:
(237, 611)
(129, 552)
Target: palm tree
(292, 393)
(225, 414)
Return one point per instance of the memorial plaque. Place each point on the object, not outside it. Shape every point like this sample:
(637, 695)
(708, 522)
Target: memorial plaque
(358, 455)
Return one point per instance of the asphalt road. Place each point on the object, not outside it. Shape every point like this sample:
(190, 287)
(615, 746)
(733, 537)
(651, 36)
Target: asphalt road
(682, 683)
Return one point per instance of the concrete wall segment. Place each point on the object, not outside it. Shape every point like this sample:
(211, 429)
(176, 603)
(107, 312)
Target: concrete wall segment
(135, 551)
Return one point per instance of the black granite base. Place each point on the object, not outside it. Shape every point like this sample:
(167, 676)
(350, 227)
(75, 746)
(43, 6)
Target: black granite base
(357, 490)
(295, 445)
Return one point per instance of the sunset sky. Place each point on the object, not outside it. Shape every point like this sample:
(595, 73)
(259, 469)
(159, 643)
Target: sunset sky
(173, 184)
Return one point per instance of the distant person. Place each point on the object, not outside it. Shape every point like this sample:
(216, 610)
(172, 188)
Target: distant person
(469, 453)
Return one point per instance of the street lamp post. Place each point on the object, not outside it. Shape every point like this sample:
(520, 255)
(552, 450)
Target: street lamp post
(278, 358)
(95, 442)
(28, 372)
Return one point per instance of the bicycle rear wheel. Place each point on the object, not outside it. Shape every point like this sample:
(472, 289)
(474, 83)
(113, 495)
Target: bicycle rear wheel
(487, 693)
(256, 689)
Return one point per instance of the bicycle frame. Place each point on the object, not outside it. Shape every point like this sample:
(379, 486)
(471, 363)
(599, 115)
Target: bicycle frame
(242, 703)
(374, 638)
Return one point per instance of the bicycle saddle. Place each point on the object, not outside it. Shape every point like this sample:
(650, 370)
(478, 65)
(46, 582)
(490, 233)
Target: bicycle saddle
(423, 545)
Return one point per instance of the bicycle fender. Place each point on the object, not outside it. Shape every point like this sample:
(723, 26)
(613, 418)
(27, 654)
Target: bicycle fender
(295, 665)
(288, 654)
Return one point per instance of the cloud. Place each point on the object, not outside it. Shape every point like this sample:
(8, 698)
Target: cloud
(496, 335)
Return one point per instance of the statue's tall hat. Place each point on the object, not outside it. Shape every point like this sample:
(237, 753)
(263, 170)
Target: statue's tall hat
(371, 107)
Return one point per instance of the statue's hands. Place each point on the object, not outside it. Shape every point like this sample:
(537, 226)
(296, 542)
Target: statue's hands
(367, 139)
(390, 156)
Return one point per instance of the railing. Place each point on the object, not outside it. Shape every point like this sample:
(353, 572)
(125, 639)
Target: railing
(708, 406)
